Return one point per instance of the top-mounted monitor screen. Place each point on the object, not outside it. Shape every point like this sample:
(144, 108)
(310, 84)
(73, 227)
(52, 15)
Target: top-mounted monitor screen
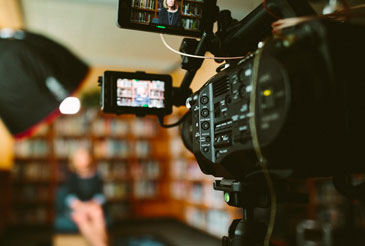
(183, 17)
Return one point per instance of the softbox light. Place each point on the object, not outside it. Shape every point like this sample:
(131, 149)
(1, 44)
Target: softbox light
(36, 75)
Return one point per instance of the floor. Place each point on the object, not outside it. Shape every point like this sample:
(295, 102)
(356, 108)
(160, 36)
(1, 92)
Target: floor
(156, 232)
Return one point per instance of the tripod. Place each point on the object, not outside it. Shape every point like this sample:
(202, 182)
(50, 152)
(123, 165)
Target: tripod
(249, 194)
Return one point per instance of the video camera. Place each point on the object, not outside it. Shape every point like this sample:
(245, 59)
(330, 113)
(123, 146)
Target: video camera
(308, 94)
(297, 100)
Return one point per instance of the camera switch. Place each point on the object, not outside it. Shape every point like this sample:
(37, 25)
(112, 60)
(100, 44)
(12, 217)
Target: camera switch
(204, 99)
(205, 125)
(204, 112)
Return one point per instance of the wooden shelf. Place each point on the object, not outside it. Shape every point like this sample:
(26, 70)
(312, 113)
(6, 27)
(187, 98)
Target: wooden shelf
(191, 16)
(144, 9)
(26, 204)
(32, 158)
(32, 181)
(192, 1)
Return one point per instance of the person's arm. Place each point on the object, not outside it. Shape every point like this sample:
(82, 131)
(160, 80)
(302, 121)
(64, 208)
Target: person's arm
(71, 199)
(178, 21)
(99, 196)
(162, 17)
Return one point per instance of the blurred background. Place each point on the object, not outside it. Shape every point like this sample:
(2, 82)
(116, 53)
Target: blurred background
(148, 174)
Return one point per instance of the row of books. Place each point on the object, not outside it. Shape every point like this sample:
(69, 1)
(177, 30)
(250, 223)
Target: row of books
(110, 148)
(142, 17)
(75, 125)
(31, 193)
(122, 127)
(81, 125)
(31, 171)
(116, 191)
(213, 221)
(110, 127)
(192, 24)
(150, 169)
(192, 9)
(29, 216)
(177, 148)
(122, 191)
(146, 4)
(198, 193)
(145, 189)
(120, 210)
(113, 171)
(188, 169)
(65, 147)
(34, 148)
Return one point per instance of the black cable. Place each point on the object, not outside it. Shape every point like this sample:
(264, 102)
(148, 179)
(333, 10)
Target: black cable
(160, 120)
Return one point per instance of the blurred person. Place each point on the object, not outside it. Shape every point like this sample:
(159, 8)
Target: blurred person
(84, 198)
(170, 15)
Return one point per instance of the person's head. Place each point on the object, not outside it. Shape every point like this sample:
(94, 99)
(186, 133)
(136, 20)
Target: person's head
(141, 91)
(81, 162)
(170, 4)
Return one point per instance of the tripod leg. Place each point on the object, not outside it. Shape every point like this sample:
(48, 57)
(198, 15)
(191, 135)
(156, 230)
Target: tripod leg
(245, 232)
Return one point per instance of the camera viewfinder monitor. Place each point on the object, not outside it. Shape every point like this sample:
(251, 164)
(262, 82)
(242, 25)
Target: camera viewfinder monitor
(136, 93)
(178, 17)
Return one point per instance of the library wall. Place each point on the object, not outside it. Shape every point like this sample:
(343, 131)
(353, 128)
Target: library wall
(6, 148)
(10, 14)
(129, 152)
(147, 171)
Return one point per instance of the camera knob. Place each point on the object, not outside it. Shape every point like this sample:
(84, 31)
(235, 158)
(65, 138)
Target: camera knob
(204, 112)
(204, 100)
(190, 102)
(100, 80)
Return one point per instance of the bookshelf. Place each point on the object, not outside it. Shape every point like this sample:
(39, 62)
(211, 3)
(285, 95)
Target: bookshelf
(127, 151)
(31, 181)
(147, 172)
(200, 205)
(146, 12)
(4, 199)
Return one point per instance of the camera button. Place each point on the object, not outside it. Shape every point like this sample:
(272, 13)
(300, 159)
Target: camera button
(204, 112)
(204, 99)
(206, 149)
(205, 125)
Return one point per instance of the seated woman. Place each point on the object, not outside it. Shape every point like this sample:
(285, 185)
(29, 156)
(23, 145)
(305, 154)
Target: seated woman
(84, 199)
(170, 14)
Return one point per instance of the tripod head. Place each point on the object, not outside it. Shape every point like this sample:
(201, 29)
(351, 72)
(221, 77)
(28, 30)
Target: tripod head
(249, 194)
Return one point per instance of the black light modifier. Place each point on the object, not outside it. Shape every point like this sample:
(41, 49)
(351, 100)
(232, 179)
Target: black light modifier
(36, 75)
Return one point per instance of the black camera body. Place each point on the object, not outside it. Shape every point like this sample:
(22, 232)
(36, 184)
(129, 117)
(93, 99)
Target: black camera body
(308, 113)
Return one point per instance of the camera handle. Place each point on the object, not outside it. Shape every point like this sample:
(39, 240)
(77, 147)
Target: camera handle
(191, 65)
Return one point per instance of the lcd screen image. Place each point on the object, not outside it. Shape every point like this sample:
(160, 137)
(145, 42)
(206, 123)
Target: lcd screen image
(183, 14)
(140, 93)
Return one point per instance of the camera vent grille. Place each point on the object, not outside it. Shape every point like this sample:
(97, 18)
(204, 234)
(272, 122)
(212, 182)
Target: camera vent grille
(221, 86)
